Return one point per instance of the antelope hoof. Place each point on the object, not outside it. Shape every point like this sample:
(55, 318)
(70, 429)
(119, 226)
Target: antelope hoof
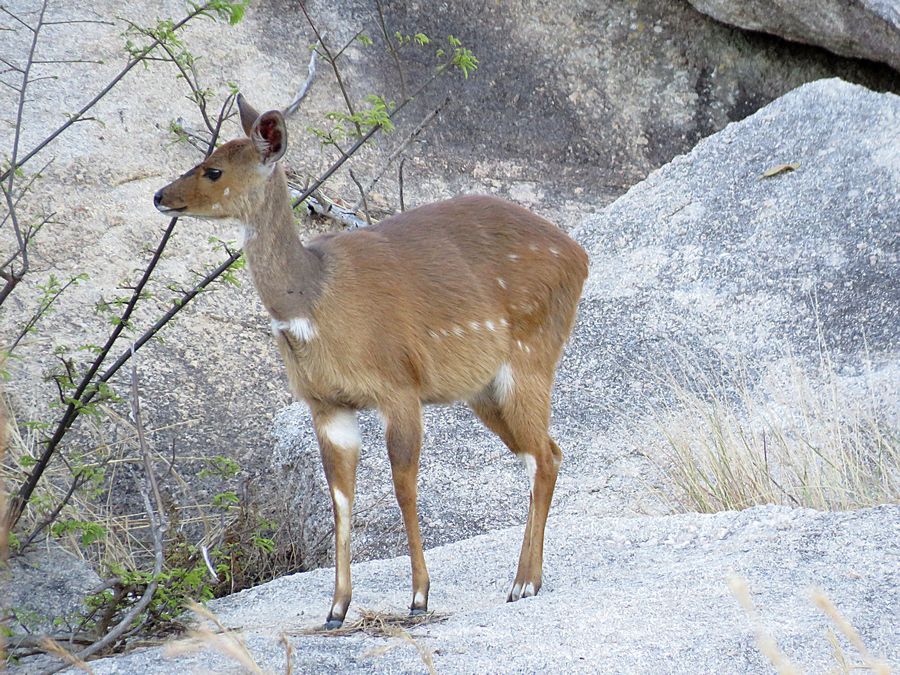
(332, 624)
(415, 611)
(522, 590)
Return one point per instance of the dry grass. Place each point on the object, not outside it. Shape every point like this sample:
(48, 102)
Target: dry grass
(376, 624)
(230, 643)
(800, 438)
(844, 663)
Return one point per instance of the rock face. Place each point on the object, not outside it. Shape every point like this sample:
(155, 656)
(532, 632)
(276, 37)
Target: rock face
(868, 29)
(706, 262)
(634, 595)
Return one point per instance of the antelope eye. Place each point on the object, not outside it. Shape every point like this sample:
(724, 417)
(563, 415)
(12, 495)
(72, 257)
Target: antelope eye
(213, 174)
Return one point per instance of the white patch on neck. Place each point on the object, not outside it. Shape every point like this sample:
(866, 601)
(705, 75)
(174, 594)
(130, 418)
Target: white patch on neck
(300, 327)
(246, 233)
(504, 383)
(265, 170)
(342, 430)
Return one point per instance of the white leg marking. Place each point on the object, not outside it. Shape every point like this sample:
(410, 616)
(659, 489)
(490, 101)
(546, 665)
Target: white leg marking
(419, 599)
(528, 591)
(501, 283)
(337, 609)
(504, 383)
(530, 467)
(342, 430)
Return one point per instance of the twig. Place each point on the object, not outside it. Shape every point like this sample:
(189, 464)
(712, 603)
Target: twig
(332, 61)
(304, 88)
(362, 197)
(399, 149)
(391, 48)
(400, 182)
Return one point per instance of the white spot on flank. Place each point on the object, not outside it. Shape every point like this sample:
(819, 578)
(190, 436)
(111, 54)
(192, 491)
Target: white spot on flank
(504, 323)
(501, 282)
(504, 383)
(474, 325)
(532, 247)
(217, 207)
(513, 257)
(554, 251)
(458, 330)
(226, 192)
(342, 430)
(419, 599)
(444, 332)
(300, 327)
(490, 325)
(432, 334)
(530, 467)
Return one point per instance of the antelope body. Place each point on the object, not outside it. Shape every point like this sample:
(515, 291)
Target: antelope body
(469, 299)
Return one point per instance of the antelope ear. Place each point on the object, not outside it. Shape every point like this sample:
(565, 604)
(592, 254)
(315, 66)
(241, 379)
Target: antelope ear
(248, 113)
(269, 135)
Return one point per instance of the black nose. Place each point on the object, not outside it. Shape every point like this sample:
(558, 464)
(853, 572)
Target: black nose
(157, 198)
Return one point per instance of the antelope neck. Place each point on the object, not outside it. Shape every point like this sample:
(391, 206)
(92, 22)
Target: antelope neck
(287, 275)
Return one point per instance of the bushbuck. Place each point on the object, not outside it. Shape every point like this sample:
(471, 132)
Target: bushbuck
(469, 299)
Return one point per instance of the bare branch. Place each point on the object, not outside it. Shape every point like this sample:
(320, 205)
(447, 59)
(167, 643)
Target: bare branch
(158, 524)
(399, 149)
(391, 48)
(13, 16)
(362, 197)
(400, 182)
(331, 60)
(304, 88)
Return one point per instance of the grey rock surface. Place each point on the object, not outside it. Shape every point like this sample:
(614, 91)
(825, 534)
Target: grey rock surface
(706, 262)
(868, 29)
(43, 590)
(628, 595)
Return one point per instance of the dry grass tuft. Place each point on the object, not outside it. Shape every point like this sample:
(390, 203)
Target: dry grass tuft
(227, 642)
(768, 646)
(803, 437)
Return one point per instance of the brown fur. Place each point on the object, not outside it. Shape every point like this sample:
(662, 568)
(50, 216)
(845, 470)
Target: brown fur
(424, 307)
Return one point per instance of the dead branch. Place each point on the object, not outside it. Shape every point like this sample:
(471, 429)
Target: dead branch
(304, 88)
(158, 523)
